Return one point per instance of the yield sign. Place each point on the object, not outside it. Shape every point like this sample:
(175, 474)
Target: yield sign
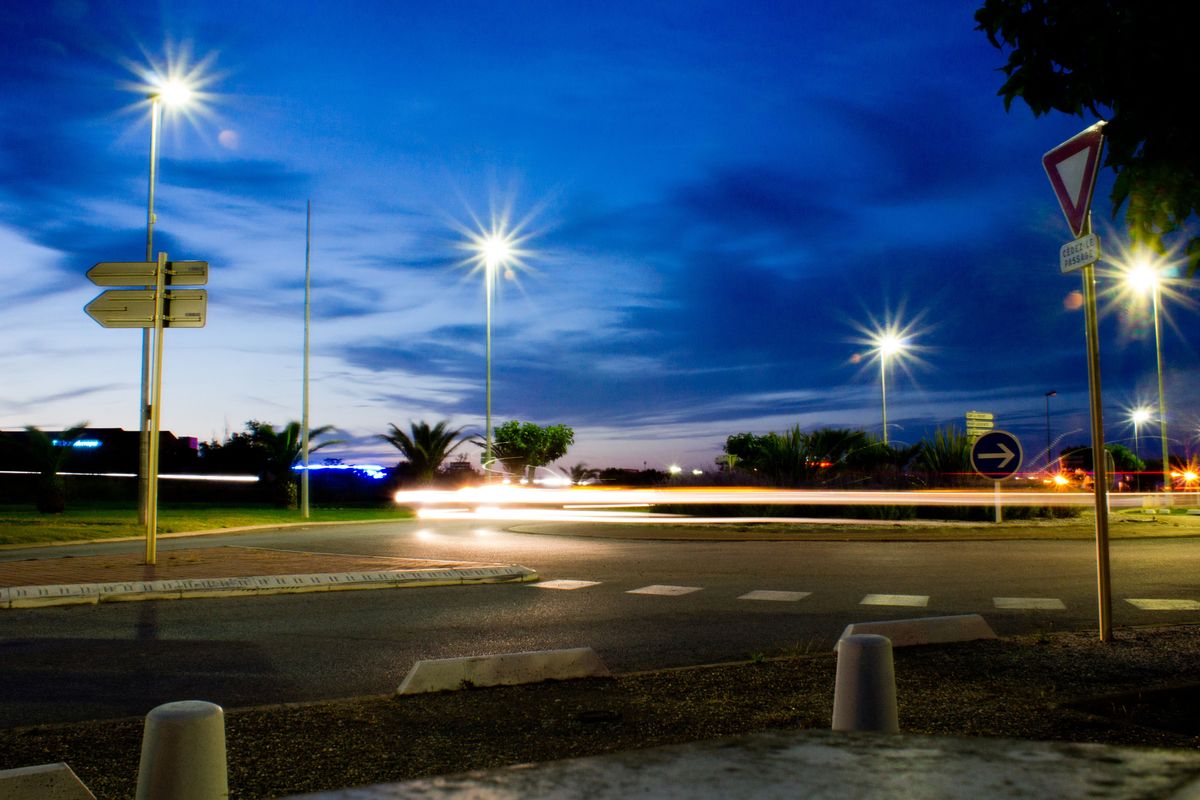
(1072, 168)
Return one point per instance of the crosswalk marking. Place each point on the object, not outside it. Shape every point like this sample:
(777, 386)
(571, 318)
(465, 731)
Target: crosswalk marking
(1029, 603)
(1149, 604)
(909, 600)
(771, 594)
(668, 591)
(564, 584)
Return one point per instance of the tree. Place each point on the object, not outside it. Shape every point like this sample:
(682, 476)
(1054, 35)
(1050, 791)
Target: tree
(48, 455)
(275, 452)
(424, 448)
(947, 456)
(1130, 62)
(522, 445)
(581, 473)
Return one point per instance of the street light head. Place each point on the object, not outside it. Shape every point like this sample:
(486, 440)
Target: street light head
(496, 249)
(1142, 277)
(1140, 415)
(174, 92)
(890, 343)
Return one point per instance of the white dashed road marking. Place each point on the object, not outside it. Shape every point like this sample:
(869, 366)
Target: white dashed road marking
(564, 584)
(770, 594)
(1037, 603)
(911, 600)
(669, 591)
(1146, 604)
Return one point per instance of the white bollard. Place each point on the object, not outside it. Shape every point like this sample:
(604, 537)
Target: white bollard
(864, 696)
(183, 753)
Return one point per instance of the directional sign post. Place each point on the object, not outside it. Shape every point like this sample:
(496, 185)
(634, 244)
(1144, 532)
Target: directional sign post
(997, 455)
(1072, 168)
(150, 308)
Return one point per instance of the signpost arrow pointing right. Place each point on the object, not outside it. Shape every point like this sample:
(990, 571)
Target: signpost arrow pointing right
(1005, 455)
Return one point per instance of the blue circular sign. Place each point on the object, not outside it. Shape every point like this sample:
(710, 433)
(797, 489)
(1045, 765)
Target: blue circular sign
(996, 455)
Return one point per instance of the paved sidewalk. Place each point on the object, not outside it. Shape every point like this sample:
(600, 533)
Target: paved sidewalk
(227, 571)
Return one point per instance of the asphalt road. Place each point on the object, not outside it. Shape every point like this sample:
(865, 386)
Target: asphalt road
(89, 662)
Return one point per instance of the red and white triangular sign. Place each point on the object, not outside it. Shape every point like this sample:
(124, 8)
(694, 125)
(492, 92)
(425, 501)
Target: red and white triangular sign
(1072, 168)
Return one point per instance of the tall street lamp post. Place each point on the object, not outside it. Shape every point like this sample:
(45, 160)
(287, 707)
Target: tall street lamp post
(495, 249)
(1137, 417)
(1049, 394)
(1144, 277)
(175, 94)
(888, 344)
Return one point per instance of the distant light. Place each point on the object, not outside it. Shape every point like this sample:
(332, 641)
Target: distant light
(674, 469)
(372, 471)
(1140, 415)
(1061, 480)
(1190, 477)
(86, 443)
(697, 472)
(496, 248)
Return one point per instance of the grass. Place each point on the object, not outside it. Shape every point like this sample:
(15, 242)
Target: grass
(22, 525)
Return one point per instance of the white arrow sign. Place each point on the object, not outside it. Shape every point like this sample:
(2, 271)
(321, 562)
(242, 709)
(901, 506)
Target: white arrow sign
(1005, 455)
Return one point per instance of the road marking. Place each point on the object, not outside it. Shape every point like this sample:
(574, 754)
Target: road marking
(1147, 604)
(564, 584)
(1037, 603)
(668, 591)
(911, 600)
(770, 594)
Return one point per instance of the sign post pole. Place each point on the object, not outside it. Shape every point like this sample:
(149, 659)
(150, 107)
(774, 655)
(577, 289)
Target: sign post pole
(1099, 460)
(155, 415)
(1071, 168)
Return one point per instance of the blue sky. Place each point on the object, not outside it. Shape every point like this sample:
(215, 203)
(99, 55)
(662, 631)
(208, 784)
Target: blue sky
(717, 196)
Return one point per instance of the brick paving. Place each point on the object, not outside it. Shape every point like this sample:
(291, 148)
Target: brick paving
(203, 562)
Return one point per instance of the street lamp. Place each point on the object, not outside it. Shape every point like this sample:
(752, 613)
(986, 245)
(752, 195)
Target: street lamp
(495, 250)
(887, 344)
(1143, 277)
(1049, 394)
(172, 93)
(1137, 417)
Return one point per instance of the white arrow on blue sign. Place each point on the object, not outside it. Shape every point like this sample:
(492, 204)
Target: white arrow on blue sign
(997, 455)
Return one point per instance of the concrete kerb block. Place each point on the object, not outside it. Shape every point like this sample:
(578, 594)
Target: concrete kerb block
(54, 595)
(183, 753)
(5, 601)
(506, 669)
(927, 630)
(43, 782)
(864, 694)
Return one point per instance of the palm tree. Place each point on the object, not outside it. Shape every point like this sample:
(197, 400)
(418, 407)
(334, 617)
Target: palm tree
(424, 448)
(48, 456)
(581, 473)
(947, 456)
(281, 450)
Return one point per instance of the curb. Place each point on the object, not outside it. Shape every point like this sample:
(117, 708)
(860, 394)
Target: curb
(94, 593)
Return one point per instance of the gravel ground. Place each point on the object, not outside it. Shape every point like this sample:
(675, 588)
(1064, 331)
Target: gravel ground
(1141, 689)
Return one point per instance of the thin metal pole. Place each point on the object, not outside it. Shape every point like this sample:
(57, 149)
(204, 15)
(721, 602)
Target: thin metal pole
(1049, 394)
(1099, 462)
(156, 413)
(488, 269)
(883, 386)
(144, 400)
(307, 322)
(1162, 403)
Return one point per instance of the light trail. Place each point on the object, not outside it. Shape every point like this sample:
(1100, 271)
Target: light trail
(512, 502)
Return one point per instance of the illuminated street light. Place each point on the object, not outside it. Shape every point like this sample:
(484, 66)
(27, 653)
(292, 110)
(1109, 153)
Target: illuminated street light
(887, 344)
(493, 250)
(1144, 277)
(173, 93)
(1137, 417)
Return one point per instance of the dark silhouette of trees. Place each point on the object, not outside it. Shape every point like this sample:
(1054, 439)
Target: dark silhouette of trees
(1131, 63)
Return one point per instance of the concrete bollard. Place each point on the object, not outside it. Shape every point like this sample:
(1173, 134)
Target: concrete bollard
(864, 696)
(183, 753)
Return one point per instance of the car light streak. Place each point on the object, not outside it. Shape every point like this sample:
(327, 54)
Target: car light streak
(514, 502)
